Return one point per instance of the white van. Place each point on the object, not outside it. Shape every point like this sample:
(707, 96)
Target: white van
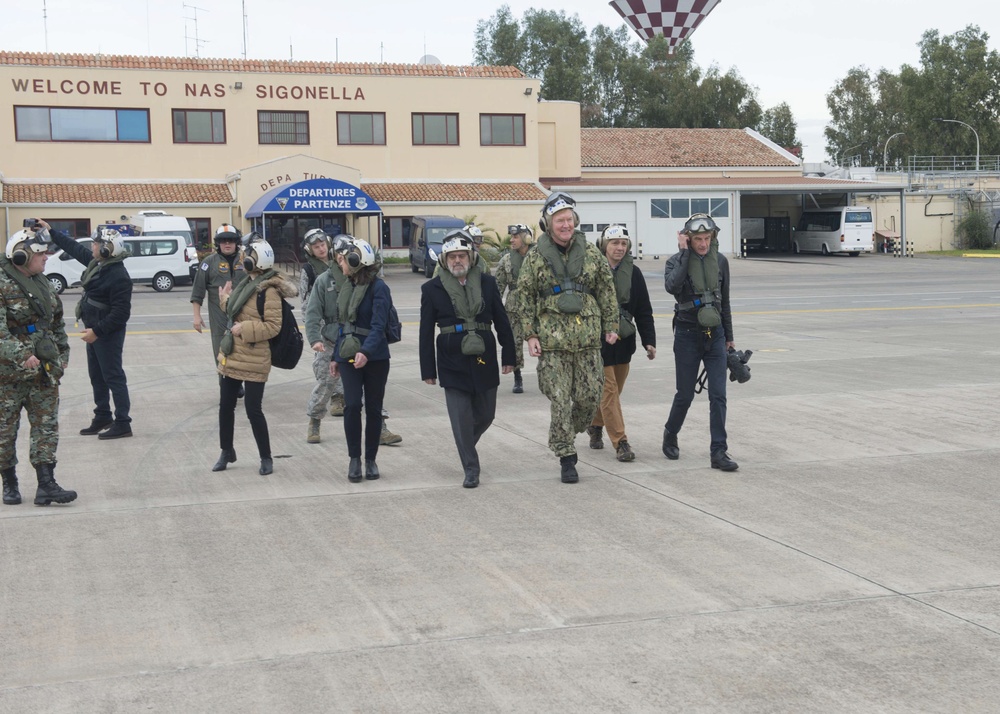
(160, 223)
(848, 229)
(159, 261)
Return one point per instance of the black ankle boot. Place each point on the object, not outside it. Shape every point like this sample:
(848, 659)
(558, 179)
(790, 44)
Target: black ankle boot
(227, 457)
(518, 384)
(569, 474)
(266, 467)
(11, 496)
(96, 425)
(354, 470)
(670, 448)
(48, 490)
(371, 470)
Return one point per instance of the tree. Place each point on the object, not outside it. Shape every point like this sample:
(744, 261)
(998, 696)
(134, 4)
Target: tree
(498, 40)
(778, 125)
(616, 78)
(729, 102)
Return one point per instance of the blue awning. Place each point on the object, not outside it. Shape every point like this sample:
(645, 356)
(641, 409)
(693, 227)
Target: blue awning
(320, 195)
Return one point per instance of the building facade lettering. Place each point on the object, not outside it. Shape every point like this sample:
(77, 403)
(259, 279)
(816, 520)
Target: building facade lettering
(118, 88)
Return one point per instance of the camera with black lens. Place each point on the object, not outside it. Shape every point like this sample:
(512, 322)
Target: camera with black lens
(739, 371)
(31, 223)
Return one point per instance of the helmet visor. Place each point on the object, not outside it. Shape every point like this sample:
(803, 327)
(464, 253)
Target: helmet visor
(700, 224)
(557, 203)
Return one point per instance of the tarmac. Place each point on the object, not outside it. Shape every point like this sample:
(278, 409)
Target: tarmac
(852, 564)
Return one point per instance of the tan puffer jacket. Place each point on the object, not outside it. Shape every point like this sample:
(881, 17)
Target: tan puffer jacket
(251, 357)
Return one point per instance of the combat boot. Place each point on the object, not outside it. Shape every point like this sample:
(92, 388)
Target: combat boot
(670, 448)
(569, 474)
(518, 384)
(596, 434)
(388, 438)
(624, 451)
(11, 496)
(96, 425)
(48, 490)
(337, 405)
(312, 435)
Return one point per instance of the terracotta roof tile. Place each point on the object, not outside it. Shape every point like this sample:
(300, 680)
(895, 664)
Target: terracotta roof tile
(203, 64)
(689, 148)
(115, 193)
(452, 192)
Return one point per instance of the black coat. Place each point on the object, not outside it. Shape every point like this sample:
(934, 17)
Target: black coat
(112, 286)
(451, 368)
(642, 310)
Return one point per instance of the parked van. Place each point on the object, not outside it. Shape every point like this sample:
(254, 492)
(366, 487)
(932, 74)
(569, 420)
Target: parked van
(160, 223)
(159, 261)
(848, 229)
(426, 238)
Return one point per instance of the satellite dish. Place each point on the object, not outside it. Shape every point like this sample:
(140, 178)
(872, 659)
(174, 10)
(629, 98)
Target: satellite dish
(675, 20)
(429, 59)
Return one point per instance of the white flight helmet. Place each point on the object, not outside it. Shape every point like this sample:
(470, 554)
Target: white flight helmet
(111, 242)
(613, 232)
(356, 252)
(259, 255)
(22, 244)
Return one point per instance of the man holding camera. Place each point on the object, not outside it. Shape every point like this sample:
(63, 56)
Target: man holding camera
(34, 352)
(698, 278)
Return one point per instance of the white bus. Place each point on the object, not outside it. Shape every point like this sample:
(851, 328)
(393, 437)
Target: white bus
(848, 229)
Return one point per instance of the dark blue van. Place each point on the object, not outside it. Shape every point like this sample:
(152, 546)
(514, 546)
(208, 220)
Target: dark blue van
(426, 238)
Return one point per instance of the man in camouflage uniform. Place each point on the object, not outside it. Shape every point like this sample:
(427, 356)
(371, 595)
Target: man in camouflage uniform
(566, 304)
(320, 310)
(216, 270)
(34, 352)
(508, 270)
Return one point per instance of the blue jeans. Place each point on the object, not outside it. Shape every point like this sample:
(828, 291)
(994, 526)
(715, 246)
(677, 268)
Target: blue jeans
(107, 377)
(691, 348)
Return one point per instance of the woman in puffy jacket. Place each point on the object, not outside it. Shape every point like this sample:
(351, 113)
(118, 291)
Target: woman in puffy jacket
(244, 357)
(361, 355)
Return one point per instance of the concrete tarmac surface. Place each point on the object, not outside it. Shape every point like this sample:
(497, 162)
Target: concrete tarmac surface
(852, 564)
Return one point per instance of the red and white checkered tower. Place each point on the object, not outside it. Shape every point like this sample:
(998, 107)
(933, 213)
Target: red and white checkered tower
(674, 19)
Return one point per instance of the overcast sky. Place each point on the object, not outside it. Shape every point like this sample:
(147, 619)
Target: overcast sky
(792, 50)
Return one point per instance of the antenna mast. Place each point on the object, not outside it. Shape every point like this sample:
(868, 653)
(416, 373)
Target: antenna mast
(197, 42)
(45, 24)
(244, 29)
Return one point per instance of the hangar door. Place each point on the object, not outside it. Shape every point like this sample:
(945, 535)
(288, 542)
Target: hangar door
(596, 216)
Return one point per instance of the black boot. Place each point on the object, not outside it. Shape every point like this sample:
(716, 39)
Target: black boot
(569, 474)
(266, 466)
(354, 470)
(48, 490)
(11, 496)
(227, 457)
(96, 425)
(371, 470)
(518, 384)
(471, 478)
(670, 448)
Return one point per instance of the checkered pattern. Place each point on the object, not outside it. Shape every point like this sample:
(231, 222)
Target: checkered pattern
(674, 19)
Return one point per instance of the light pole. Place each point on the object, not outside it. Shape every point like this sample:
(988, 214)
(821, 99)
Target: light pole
(956, 121)
(841, 153)
(885, 151)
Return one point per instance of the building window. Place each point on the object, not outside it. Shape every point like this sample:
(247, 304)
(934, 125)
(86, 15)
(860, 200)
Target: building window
(501, 129)
(684, 207)
(58, 124)
(201, 229)
(282, 127)
(199, 126)
(73, 227)
(435, 129)
(357, 128)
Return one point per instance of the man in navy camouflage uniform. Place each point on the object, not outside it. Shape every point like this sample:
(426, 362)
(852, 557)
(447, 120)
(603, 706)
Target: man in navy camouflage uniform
(34, 352)
(567, 306)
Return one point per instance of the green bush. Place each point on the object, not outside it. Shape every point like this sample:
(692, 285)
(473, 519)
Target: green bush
(975, 230)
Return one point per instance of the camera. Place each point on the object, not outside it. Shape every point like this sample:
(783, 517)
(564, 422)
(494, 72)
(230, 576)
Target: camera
(31, 223)
(737, 364)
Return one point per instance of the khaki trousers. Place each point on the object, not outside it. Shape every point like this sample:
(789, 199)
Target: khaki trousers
(610, 414)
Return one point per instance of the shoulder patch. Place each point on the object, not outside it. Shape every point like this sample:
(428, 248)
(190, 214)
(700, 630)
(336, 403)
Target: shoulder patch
(204, 266)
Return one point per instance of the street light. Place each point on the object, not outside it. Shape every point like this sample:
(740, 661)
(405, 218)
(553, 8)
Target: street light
(885, 151)
(956, 121)
(841, 153)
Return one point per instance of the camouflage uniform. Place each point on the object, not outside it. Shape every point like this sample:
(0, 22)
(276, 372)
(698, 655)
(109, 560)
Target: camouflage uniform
(570, 370)
(506, 280)
(319, 305)
(214, 272)
(34, 390)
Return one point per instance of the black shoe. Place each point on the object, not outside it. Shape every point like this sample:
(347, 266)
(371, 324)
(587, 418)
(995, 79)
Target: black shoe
(11, 494)
(96, 426)
(240, 392)
(670, 449)
(266, 467)
(354, 470)
(48, 490)
(471, 480)
(227, 457)
(721, 460)
(118, 430)
(569, 474)
(371, 470)
(518, 388)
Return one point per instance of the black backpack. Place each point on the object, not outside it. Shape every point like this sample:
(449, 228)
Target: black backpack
(286, 346)
(393, 328)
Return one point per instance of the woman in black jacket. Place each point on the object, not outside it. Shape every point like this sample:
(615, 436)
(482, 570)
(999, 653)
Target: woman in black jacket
(104, 310)
(636, 313)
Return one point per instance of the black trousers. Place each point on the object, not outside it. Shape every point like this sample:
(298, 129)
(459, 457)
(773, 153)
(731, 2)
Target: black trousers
(253, 402)
(471, 414)
(365, 385)
(107, 377)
